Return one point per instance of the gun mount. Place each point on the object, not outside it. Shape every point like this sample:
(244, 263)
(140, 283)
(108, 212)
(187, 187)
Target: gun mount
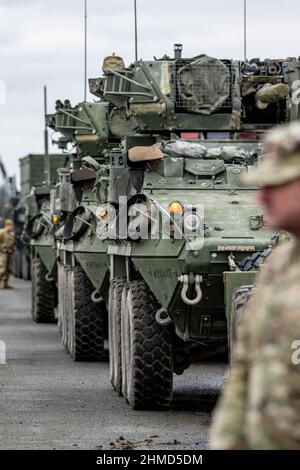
(202, 94)
(90, 127)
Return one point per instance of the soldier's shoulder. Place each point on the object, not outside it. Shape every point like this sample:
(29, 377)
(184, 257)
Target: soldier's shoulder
(277, 261)
(283, 250)
(280, 257)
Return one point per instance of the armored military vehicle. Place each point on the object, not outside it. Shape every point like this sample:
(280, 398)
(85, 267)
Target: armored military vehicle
(38, 175)
(10, 208)
(8, 194)
(31, 173)
(93, 129)
(199, 122)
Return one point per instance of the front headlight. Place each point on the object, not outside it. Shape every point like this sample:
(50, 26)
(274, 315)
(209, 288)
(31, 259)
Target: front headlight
(192, 223)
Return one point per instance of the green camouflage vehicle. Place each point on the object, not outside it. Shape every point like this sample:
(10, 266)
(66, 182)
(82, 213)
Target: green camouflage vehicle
(31, 173)
(38, 176)
(93, 129)
(8, 194)
(11, 208)
(183, 221)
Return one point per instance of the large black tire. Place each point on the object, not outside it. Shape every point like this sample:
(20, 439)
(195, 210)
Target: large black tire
(43, 294)
(114, 322)
(123, 346)
(148, 351)
(16, 265)
(254, 261)
(25, 267)
(240, 299)
(86, 320)
(63, 321)
(13, 264)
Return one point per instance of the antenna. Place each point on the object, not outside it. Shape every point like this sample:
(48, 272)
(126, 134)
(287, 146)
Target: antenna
(46, 139)
(85, 49)
(245, 29)
(136, 30)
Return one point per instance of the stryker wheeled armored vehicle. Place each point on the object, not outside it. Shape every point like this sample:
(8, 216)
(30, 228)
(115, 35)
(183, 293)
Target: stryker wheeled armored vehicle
(31, 173)
(8, 194)
(10, 208)
(199, 121)
(93, 129)
(38, 176)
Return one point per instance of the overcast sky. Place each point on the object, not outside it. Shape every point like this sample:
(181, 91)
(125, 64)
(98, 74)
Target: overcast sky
(41, 42)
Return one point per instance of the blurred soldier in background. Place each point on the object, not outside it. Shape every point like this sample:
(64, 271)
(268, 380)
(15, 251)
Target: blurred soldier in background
(260, 407)
(7, 247)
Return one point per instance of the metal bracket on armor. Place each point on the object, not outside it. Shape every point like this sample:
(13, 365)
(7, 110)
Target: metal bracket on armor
(162, 317)
(185, 280)
(232, 264)
(83, 221)
(96, 297)
(90, 162)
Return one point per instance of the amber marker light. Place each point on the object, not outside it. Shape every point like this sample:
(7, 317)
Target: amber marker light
(102, 215)
(176, 208)
(54, 219)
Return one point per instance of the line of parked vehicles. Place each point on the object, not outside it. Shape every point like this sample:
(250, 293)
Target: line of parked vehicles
(141, 229)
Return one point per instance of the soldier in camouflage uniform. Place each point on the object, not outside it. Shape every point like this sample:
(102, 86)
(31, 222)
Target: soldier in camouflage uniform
(260, 407)
(7, 247)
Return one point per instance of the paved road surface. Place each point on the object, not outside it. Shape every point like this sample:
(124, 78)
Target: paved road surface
(49, 402)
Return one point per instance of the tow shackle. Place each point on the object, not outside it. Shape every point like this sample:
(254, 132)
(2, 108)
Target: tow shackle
(185, 280)
(49, 278)
(96, 297)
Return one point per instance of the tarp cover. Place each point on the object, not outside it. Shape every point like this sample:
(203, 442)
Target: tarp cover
(203, 85)
(181, 148)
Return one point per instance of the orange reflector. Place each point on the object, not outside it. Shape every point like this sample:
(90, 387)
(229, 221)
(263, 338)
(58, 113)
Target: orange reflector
(175, 208)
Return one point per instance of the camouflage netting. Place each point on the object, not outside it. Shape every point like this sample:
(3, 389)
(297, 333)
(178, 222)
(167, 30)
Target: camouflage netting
(203, 85)
(113, 62)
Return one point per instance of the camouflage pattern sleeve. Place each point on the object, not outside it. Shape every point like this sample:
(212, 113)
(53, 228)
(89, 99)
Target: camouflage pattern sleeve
(259, 408)
(227, 432)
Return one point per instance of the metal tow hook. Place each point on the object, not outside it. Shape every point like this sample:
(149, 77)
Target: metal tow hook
(49, 278)
(184, 279)
(96, 297)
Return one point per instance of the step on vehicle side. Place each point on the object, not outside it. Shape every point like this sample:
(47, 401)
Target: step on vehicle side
(200, 121)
